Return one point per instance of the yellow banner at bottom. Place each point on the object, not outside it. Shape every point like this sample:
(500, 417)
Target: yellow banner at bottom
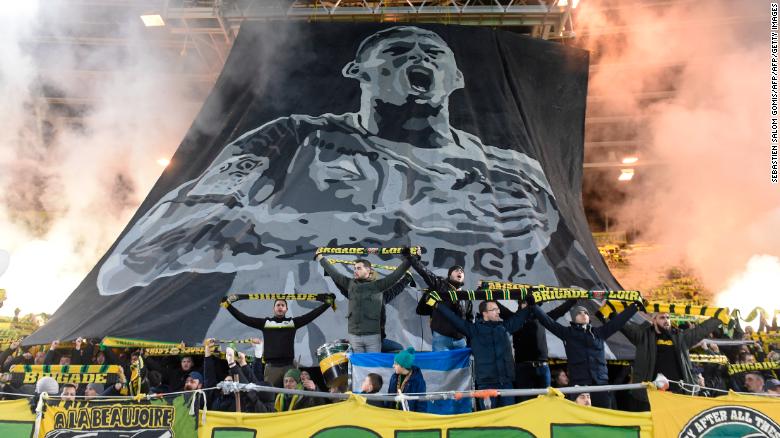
(16, 420)
(543, 417)
(733, 415)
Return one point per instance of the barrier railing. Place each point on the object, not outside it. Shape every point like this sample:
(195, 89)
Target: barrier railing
(232, 387)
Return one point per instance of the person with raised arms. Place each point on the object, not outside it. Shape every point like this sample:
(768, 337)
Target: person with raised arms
(278, 333)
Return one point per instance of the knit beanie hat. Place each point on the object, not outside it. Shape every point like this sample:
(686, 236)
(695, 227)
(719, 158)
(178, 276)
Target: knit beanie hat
(405, 358)
(47, 385)
(295, 373)
(577, 309)
(454, 268)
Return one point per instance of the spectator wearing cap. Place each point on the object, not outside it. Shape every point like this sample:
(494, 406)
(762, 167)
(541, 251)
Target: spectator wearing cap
(660, 349)
(772, 386)
(44, 384)
(407, 379)
(584, 345)
(494, 367)
(192, 384)
(194, 381)
(293, 402)
(443, 335)
(47, 385)
(582, 399)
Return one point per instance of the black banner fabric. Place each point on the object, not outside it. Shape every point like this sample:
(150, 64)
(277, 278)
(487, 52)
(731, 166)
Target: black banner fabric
(466, 141)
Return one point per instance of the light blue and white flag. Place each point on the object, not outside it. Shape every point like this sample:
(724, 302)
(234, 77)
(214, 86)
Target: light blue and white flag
(442, 370)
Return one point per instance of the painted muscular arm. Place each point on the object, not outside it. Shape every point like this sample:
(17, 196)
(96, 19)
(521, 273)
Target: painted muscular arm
(246, 172)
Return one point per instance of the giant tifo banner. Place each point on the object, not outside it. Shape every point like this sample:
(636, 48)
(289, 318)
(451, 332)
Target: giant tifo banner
(466, 141)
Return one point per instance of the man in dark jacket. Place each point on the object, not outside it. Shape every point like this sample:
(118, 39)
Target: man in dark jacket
(585, 348)
(661, 349)
(279, 335)
(365, 302)
(444, 335)
(493, 364)
(530, 345)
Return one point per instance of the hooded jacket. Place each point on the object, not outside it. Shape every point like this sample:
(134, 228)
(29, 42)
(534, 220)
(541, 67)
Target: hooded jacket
(441, 285)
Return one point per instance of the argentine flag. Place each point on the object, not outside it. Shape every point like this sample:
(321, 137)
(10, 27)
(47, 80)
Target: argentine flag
(442, 370)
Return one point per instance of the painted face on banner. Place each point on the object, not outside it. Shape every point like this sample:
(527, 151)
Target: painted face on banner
(408, 64)
(271, 193)
(364, 135)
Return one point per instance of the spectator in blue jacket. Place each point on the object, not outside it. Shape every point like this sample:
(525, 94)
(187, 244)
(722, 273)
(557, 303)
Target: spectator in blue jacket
(584, 345)
(494, 367)
(407, 379)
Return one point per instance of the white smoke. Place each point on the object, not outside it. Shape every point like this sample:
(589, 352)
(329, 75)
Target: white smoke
(710, 204)
(756, 286)
(68, 187)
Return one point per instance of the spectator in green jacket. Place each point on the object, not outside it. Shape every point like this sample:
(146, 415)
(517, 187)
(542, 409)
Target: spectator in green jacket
(365, 301)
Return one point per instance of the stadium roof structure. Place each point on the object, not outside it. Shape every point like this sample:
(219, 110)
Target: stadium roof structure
(199, 34)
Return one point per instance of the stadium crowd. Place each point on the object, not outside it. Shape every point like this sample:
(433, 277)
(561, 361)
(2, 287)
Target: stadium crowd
(509, 350)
